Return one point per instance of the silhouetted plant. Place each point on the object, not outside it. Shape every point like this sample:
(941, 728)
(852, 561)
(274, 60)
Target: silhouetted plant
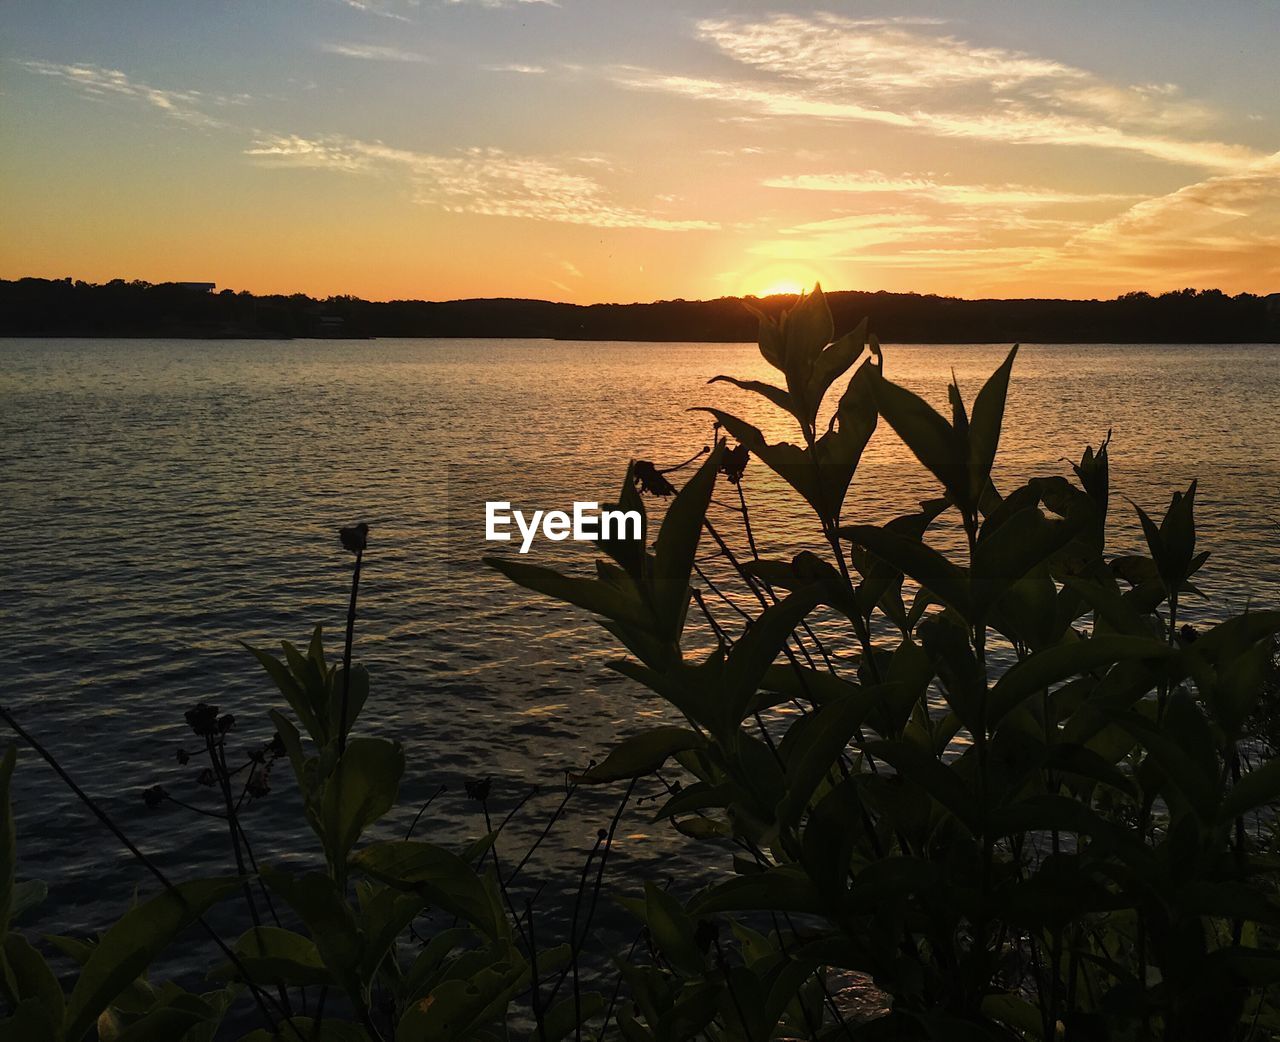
(1023, 815)
(403, 939)
(1012, 788)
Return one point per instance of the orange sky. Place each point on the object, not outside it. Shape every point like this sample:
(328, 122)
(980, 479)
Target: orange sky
(608, 151)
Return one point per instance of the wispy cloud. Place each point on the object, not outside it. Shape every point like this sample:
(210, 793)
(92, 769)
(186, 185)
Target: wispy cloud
(883, 58)
(373, 52)
(378, 7)
(846, 236)
(94, 81)
(1221, 230)
(1224, 227)
(873, 183)
(921, 218)
(321, 153)
(527, 70)
(503, 3)
(995, 262)
(485, 181)
(895, 74)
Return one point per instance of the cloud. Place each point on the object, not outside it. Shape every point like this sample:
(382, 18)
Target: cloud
(377, 7)
(883, 58)
(839, 237)
(503, 3)
(325, 154)
(527, 70)
(872, 183)
(897, 74)
(485, 181)
(1205, 204)
(94, 81)
(992, 262)
(1224, 227)
(920, 217)
(373, 52)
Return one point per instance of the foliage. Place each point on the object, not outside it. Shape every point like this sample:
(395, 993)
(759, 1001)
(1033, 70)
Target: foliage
(1023, 812)
(393, 939)
(968, 756)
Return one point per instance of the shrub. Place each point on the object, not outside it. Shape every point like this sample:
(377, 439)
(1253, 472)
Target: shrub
(402, 939)
(1025, 816)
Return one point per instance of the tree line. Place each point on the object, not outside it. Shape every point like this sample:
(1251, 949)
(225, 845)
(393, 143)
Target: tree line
(63, 307)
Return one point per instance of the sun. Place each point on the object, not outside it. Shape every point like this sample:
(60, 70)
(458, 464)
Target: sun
(788, 286)
(776, 279)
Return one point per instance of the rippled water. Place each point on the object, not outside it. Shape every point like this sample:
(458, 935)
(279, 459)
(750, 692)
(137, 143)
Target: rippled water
(163, 500)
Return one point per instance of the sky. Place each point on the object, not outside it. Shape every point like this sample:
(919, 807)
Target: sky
(592, 150)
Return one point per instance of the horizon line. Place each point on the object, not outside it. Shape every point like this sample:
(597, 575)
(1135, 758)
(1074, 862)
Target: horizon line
(213, 288)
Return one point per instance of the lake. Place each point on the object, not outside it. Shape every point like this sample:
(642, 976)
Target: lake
(164, 500)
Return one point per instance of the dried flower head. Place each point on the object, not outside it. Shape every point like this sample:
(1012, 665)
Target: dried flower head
(154, 796)
(648, 478)
(259, 783)
(203, 719)
(478, 790)
(734, 462)
(355, 538)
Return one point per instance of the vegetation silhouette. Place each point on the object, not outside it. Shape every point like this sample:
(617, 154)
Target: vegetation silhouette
(1006, 788)
(388, 939)
(42, 307)
(1012, 790)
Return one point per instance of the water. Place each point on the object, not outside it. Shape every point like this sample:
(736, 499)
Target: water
(163, 500)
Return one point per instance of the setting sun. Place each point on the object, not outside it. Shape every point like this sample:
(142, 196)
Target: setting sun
(782, 286)
(770, 280)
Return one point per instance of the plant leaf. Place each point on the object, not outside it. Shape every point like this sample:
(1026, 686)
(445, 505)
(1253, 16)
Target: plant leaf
(753, 654)
(934, 442)
(27, 976)
(782, 399)
(642, 753)
(437, 874)
(671, 929)
(677, 544)
(592, 594)
(8, 838)
(949, 583)
(1256, 788)
(275, 956)
(984, 426)
(361, 789)
(1042, 669)
(127, 948)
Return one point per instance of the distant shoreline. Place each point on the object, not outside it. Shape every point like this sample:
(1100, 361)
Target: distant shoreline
(135, 310)
(196, 338)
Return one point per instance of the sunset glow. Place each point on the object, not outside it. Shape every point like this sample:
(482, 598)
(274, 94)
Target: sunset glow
(784, 286)
(608, 151)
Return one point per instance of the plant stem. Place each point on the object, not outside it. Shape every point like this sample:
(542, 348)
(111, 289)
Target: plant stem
(536, 994)
(346, 653)
(259, 996)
